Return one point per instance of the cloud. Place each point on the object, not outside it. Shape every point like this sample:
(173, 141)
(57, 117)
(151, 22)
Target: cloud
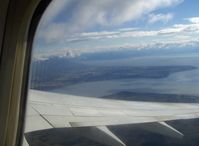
(74, 29)
(110, 35)
(153, 18)
(74, 52)
(193, 19)
(175, 30)
(178, 35)
(90, 13)
(53, 10)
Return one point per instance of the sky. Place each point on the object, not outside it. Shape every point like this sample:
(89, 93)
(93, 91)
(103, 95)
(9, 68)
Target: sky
(74, 27)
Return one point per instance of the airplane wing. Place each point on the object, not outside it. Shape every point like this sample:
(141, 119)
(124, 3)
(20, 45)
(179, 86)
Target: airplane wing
(51, 110)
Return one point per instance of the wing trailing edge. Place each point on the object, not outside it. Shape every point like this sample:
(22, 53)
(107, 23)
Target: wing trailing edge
(101, 134)
(162, 128)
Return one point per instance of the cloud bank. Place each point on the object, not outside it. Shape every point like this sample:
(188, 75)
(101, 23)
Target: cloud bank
(89, 13)
(82, 16)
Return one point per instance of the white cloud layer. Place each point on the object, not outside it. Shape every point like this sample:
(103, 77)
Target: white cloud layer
(70, 53)
(153, 18)
(107, 13)
(178, 35)
(88, 13)
(175, 30)
(193, 19)
(53, 10)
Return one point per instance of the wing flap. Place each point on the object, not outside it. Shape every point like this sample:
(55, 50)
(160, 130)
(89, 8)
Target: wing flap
(100, 134)
(161, 128)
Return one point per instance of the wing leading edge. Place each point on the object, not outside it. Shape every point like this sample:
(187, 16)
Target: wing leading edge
(50, 110)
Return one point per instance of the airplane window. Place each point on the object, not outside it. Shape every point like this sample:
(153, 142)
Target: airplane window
(115, 73)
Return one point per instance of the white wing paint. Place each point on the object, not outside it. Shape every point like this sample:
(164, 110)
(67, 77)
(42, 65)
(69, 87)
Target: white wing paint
(50, 110)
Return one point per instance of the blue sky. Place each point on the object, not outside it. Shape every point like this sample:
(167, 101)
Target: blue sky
(90, 26)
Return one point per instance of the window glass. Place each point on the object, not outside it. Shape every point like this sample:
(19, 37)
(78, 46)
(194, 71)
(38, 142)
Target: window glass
(115, 73)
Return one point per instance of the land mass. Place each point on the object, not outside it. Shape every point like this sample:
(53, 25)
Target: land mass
(153, 97)
(56, 73)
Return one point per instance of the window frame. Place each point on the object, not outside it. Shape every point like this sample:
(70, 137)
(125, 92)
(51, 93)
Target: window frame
(21, 18)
